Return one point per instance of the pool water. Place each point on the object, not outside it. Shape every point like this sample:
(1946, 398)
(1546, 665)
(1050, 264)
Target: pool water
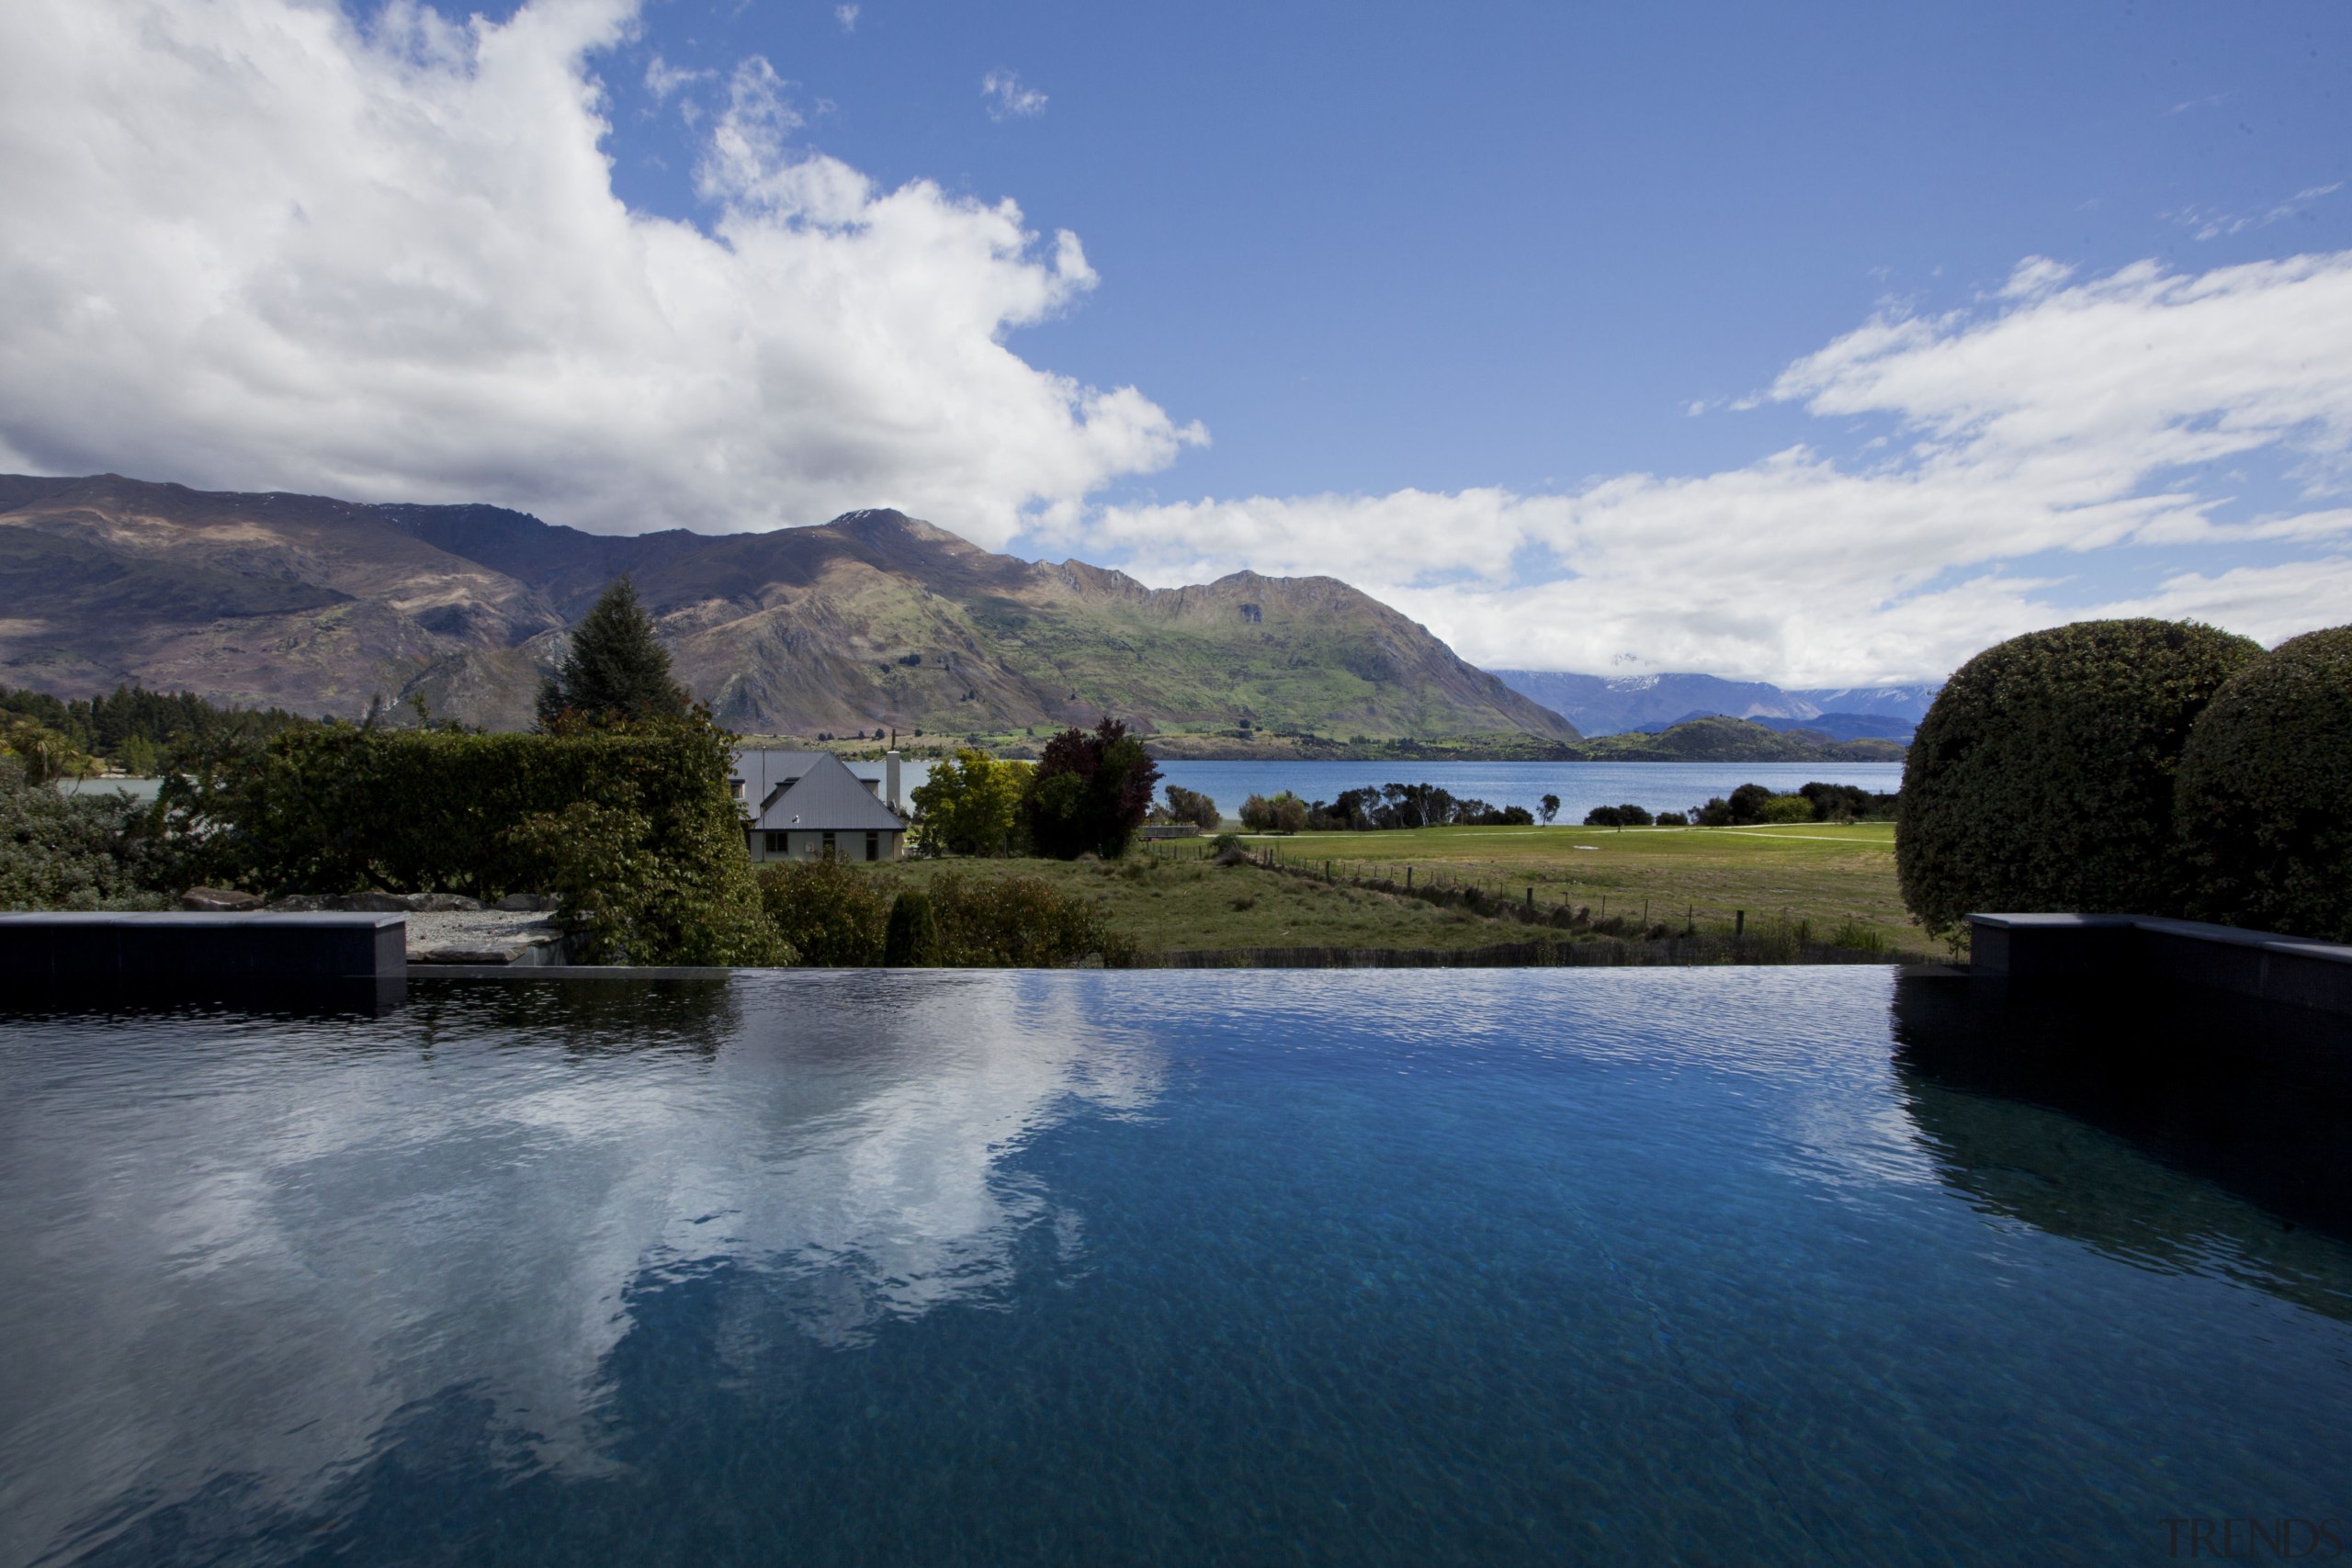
(1655, 1265)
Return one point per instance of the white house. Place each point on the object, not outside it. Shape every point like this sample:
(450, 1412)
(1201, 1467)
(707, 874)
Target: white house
(807, 805)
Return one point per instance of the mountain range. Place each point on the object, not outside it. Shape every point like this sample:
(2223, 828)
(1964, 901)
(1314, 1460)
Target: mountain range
(875, 620)
(1614, 704)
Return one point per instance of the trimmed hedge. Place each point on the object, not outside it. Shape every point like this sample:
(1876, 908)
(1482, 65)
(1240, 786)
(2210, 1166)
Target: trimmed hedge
(634, 828)
(2265, 800)
(2041, 779)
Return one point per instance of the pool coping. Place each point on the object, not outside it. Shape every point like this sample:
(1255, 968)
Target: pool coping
(2140, 949)
(135, 947)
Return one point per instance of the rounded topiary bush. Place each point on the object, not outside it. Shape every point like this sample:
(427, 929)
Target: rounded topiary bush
(2042, 778)
(2265, 799)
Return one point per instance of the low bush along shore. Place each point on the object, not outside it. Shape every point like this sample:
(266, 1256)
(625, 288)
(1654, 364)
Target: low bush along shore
(1837, 881)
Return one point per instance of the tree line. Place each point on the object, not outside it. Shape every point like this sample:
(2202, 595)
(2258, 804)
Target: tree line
(132, 729)
(1371, 809)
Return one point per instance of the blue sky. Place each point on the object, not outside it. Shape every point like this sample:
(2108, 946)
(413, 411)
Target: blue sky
(1374, 246)
(1815, 344)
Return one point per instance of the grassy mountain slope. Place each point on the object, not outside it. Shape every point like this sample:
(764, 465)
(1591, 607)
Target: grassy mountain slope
(872, 620)
(1721, 739)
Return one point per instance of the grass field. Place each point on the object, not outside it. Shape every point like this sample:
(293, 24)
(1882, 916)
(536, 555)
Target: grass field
(1164, 903)
(1167, 895)
(1814, 872)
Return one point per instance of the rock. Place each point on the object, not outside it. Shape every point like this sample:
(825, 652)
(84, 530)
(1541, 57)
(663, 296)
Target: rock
(468, 955)
(299, 904)
(526, 903)
(372, 903)
(219, 900)
(404, 903)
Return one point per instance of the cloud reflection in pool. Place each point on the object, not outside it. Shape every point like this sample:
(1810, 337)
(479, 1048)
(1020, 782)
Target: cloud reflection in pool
(488, 1223)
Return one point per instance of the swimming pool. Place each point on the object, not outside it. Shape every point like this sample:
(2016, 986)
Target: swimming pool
(1729, 1266)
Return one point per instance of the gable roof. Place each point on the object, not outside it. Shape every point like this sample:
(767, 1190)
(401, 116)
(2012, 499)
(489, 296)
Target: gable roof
(826, 796)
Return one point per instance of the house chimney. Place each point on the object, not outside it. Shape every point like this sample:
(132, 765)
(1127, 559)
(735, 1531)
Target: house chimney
(890, 780)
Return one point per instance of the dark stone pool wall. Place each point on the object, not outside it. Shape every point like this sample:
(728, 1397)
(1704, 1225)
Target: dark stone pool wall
(2289, 970)
(134, 949)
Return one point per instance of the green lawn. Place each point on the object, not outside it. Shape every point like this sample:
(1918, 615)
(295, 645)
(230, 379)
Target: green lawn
(1165, 903)
(1813, 872)
(1167, 897)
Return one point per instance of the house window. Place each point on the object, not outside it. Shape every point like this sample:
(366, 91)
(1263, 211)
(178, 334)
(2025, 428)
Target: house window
(777, 842)
(735, 788)
(874, 846)
(827, 851)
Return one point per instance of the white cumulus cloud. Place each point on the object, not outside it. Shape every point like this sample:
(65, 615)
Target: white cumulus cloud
(2059, 420)
(255, 243)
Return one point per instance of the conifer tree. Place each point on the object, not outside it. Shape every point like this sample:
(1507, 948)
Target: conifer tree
(616, 669)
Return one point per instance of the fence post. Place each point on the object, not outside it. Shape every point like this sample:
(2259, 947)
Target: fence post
(1738, 924)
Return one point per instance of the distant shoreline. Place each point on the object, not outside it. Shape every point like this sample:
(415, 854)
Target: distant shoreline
(1714, 739)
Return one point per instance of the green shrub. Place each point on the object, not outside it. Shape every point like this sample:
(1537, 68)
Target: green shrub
(2263, 804)
(2042, 778)
(834, 914)
(1860, 937)
(840, 915)
(1785, 809)
(634, 827)
(86, 853)
(912, 939)
(1014, 922)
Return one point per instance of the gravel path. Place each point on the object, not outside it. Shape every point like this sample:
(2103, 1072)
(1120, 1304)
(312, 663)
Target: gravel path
(490, 936)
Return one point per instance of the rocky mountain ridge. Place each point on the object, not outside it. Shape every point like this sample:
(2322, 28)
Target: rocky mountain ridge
(873, 620)
(1613, 705)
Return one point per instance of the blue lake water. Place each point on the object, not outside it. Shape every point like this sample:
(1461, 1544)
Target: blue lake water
(1658, 787)
(1732, 1266)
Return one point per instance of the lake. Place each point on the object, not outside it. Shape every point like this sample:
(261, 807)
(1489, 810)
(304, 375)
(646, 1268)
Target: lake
(1658, 787)
(1740, 1266)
